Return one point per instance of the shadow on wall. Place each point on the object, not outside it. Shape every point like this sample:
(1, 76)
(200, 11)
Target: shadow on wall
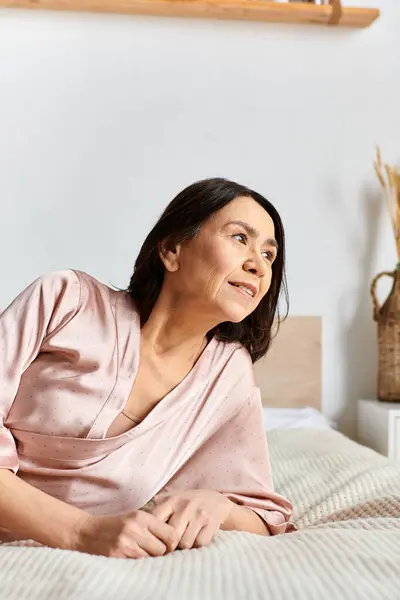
(359, 344)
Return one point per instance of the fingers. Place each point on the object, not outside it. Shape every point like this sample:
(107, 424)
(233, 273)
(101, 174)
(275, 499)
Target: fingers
(163, 511)
(194, 526)
(205, 536)
(198, 534)
(165, 532)
(152, 534)
(190, 534)
(151, 544)
(131, 549)
(188, 526)
(139, 535)
(180, 521)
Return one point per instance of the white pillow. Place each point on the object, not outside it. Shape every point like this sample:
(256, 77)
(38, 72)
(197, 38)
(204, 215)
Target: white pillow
(294, 418)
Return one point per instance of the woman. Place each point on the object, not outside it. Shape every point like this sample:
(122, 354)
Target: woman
(131, 422)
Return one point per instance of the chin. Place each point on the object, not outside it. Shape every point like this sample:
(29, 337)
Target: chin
(236, 316)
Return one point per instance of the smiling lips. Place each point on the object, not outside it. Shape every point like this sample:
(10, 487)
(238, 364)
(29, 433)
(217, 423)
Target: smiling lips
(244, 288)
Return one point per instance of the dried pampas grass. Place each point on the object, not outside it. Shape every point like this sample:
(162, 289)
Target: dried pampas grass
(389, 178)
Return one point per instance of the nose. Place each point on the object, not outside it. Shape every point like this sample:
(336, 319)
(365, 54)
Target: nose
(256, 266)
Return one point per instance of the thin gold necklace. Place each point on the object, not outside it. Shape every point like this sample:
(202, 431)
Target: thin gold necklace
(133, 419)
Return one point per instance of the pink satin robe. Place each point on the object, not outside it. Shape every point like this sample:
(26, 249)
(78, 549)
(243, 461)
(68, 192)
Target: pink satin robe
(69, 353)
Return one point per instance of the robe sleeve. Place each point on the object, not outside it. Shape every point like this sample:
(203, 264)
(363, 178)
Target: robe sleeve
(235, 462)
(36, 313)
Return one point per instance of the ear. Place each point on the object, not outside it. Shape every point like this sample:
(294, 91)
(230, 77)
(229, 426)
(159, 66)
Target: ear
(169, 254)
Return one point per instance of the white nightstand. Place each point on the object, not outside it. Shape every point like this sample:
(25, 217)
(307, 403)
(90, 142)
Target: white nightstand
(379, 426)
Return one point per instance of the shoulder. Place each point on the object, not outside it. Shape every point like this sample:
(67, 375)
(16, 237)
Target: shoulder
(76, 286)
(53, 285)
(70, 278)
(57, 279)
(233, 372)
(234, 357)
(90, 286)
(75, 297)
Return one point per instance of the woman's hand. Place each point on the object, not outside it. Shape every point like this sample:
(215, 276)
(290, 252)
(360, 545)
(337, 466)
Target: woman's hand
(137, 535)
(195, 515)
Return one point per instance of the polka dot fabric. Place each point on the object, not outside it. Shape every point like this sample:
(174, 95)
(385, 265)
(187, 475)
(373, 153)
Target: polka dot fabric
(69, 348)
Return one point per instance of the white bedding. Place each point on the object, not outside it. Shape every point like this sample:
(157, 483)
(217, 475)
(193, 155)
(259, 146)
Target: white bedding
(347, 508)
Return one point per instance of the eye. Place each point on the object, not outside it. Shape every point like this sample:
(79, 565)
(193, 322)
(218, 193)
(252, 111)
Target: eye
(241, 235)
(270, 256)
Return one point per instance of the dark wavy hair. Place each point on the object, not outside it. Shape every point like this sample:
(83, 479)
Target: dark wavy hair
(181, 221)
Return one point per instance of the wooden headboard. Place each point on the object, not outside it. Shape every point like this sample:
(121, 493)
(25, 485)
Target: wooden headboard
(290, 375)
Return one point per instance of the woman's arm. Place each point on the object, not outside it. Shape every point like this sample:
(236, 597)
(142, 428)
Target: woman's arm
(42, 308)
(197, 515)
(39, 310)
(234, 463)
(241, 518)
(35, 515)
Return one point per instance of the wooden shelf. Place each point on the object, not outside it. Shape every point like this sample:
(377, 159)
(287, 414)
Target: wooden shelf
(245, 10)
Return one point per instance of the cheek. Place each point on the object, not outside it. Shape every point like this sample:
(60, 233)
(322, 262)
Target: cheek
(266, 282)
(214, 263)
(223, 260)
(205, 265)
(200, 269)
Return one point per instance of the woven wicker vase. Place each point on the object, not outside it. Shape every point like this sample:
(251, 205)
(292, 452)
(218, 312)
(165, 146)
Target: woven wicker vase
(388, 318)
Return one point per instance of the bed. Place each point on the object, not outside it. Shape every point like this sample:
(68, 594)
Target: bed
(346, 508)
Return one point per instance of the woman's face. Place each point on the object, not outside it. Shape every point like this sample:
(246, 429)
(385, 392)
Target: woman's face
(226, 269)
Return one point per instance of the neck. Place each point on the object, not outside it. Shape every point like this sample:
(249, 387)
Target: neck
(175, 324)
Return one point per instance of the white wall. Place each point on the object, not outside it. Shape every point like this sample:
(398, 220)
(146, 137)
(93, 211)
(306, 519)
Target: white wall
(104, 118)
